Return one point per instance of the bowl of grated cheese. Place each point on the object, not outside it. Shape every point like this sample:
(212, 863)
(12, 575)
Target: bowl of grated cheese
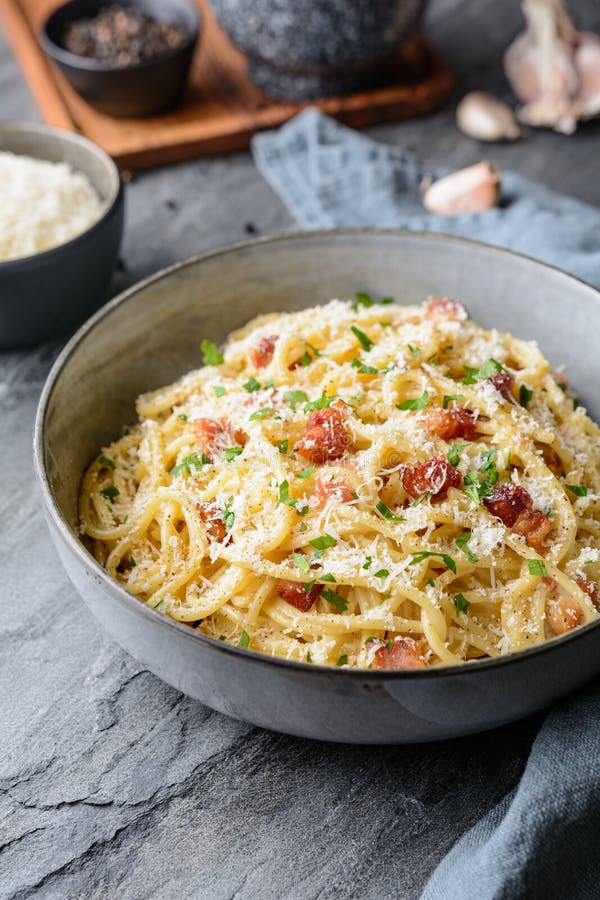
(61, 222)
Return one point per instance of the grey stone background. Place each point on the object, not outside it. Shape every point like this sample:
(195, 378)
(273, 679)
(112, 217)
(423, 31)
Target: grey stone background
(113, 784)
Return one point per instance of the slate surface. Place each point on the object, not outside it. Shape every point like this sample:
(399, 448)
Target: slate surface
(113, 784)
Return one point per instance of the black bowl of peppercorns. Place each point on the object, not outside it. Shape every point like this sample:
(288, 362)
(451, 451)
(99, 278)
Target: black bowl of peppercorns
(130, 58)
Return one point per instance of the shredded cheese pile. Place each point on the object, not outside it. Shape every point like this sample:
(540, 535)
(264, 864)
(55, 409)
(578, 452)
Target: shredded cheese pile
(43, 204)
(359, 484)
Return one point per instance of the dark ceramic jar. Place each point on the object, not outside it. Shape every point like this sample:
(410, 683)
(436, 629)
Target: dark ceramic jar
(299, 49)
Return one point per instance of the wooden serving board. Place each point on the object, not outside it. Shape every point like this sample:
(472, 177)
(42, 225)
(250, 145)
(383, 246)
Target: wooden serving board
(222, 108)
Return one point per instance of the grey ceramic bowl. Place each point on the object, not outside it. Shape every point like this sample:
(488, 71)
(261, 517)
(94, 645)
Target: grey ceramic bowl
(49, 294)
(151, 334)
(300, 49)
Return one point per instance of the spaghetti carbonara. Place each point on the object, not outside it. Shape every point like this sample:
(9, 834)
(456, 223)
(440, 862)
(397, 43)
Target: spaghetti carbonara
(359, 484)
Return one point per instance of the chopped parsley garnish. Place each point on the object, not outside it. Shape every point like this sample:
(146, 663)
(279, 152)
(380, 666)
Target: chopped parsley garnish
(385, 324)
(430, 583)
(414, 351)
(372, 639)
(334, 598)
(264, 413)
(183, 417)
(328, 577)
(417, 403)
(324, 542)
(307, 472)
(461, 604)
(284, 497)
(110, 492)
(475, 486)
(132, 563)
(244, 639)
(293, 397)
(302, 562)
(308, 657)
(462, 543)
(230, 453)
(342, 660)
(525, 395)
(303, 526)
(487, 370)
(578, 489)
(219, 390)
(251, 385)
(323, 401)
(365, 341)
(211, 355)
(282, 446)
(387, 513)
(106, 463)
(363, 299)
(193, 461)
(420, 499)
(448, 398)
(222, 637)
(363, 369)
(306, 359)
(382, 573)
(368, 562)
(453, 455)
(425, 554)
(160, 603)
(537, 567)
(228, 515)
(487, 460)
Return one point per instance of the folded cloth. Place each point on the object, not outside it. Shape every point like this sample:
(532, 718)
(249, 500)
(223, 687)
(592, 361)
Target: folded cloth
(543, 840)
(330, 176)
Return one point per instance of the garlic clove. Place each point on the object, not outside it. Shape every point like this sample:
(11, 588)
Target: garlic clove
(587, 64)
(553, 69)
(473, 189)
(485, 118)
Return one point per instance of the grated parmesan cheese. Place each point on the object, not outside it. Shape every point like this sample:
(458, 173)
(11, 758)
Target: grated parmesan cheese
(42, 205)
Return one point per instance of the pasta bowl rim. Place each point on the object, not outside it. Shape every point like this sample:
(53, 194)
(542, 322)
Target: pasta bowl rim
(85, 558)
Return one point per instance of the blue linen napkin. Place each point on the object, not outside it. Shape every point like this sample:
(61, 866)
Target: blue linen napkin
(543, 840)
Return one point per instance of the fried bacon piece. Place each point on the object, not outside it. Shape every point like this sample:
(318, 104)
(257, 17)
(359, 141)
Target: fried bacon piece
(326, 435)
(433, 477)
(513, 505)
(294, 593)
(534, 526)
(212, 516)
(507, 501)
(563, 614)
(503, 382)
(590, 588)
(213, 435)
(338, 489)
(262, 354)
(444, 308)
(449, 424)
(404, 653)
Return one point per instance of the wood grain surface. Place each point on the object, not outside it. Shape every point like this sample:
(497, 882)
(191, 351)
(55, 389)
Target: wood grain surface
(222, 108)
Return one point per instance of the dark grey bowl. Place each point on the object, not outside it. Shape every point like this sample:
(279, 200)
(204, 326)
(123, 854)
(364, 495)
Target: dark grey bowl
(151, 334)
(142, 90)
(301, 49)
(49, 294)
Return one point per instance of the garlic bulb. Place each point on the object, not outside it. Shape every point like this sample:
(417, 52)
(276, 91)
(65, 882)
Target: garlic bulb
(473, 189)
(485, 118)
(553, 69)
